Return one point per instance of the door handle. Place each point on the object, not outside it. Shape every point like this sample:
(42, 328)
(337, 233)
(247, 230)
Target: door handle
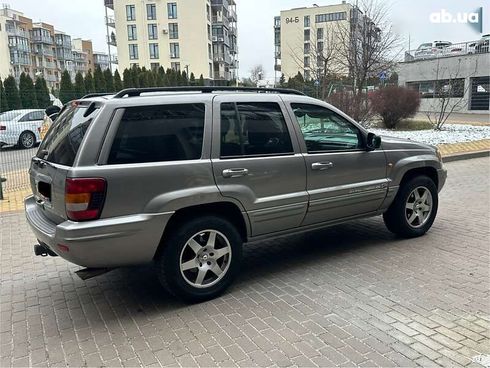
(321, 166)
(234, 173)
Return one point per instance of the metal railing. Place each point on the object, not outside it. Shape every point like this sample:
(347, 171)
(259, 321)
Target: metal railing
(440, 51)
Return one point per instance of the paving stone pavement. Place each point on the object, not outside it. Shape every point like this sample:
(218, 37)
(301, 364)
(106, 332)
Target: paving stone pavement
(350, 295)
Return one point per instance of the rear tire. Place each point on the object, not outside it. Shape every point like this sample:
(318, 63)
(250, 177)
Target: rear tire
(414, 209)
(200, 258)
(27, 140)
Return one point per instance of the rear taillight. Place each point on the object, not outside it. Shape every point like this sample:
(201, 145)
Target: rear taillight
(84, 198)
(3, 127)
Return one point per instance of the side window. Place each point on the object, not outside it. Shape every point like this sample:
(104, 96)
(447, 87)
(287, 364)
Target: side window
(253, 128)
(26, 117)
(324, 130)
(159, 133)
(38, 115)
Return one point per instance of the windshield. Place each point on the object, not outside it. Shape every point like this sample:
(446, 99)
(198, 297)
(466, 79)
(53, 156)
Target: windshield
(63, 139)
(10, 115)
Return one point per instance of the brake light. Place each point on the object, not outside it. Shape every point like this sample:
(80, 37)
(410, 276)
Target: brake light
(3, 127)
(84, 198)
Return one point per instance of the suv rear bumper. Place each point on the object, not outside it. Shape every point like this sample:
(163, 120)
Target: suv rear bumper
(121, 241)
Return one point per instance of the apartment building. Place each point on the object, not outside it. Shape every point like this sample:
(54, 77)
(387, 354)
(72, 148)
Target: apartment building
(198, 36)
(64, 53)
(101, 60)
(38, 49)
(304, 36)
(15, 43)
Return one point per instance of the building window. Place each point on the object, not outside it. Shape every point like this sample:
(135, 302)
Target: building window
(152, 32)
(154, 66)
(130, 12)
(330, 17)
(319, 34)
(151, 11)
(172, 10)
(154, 54)
(132, 36)
(307, 20)
(210, 51)
(439, 88)
(133, 51)
(319, 47)
(307, 75)
(173, 31)
(175, 66)
(307, 48)
(307, 34)
(307, 61)
(174, 50)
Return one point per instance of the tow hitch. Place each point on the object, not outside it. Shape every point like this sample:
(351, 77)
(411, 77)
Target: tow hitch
(43, 251)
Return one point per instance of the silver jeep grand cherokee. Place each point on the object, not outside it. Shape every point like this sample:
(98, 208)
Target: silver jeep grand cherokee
(184, 176)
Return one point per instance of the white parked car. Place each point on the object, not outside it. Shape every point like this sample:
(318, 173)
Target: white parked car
(431, 49)
(21, 127)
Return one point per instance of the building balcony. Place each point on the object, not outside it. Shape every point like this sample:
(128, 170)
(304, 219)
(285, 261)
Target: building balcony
(19, 47)
(221, 39)
(221, 20)
(50, 65)
(23, 60)
(220, 3)
(43, 51)
(79, 58)
(109, 4)
(222, 58)
(50, 78)
(111, 40)
(111, 22)
(41, 39)
(18, 32)
(232, 15)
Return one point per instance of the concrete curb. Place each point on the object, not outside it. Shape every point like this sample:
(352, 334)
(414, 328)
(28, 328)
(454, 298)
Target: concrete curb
(466, 156)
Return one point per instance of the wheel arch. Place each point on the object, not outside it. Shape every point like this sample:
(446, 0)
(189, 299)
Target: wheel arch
(429, 171)
(226, 210)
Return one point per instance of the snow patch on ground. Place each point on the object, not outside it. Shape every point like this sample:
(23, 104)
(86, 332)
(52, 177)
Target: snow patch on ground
(451, 133)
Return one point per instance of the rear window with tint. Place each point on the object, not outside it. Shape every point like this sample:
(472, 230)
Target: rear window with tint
(63, 139)
(159, 133)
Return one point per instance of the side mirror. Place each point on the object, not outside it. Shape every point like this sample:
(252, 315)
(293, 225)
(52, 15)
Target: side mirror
(373, 142)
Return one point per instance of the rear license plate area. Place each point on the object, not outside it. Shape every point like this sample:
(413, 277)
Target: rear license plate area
(44, 190)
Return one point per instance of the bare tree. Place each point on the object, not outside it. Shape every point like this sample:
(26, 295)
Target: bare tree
(319, 59)
(366, 47)
(448, 94)
(256, 73)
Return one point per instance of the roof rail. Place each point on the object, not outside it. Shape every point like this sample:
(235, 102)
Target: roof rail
(135, 92)
(96, 95)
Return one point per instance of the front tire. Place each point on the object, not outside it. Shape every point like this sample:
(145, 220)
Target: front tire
(414, 209)
(200, 258)
(27, 140)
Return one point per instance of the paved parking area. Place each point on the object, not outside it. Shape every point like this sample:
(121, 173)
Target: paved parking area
(349, 295)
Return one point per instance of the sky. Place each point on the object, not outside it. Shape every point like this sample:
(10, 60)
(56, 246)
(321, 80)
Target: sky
(411, 19)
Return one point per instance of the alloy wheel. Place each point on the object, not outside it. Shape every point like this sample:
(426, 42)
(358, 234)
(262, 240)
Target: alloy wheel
(205, 258)
(418, 207)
